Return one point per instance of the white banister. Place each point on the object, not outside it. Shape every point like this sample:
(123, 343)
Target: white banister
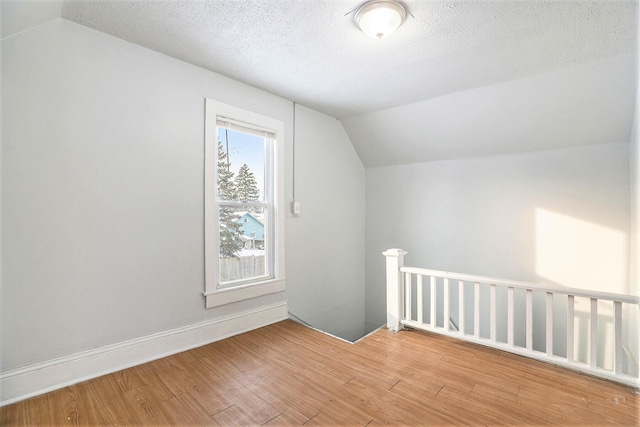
(492, 313)
(476, 310)
(617, 337)
(510, 319)
(407, 293)
(447, 307)
(549, 323)
(529, 321)
(561, 290)
(432, 291)
(460, 306)
(400, 303)
(593, 330)
(570, 327)
(420, 299)
(395, 261)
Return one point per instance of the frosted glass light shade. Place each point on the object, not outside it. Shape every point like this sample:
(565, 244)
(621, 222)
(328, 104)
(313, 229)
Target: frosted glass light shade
(379, 18)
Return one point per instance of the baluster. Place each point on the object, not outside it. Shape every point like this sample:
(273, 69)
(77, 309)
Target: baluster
(461, 307)
(617, 345)
(529, 309)
(492, 314)
(407, 296)
(593, 329)
(419, 296)
(549, 323)
(433, 301)
(570, 326)
(447, 316)
(510, 321)
(476, 309)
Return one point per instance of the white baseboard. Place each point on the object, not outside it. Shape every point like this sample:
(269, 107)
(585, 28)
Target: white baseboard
(53, 374)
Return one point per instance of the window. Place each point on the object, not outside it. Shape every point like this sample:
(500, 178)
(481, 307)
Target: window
(243, 200)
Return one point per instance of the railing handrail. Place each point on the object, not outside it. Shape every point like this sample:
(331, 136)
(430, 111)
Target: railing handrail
(630, 299)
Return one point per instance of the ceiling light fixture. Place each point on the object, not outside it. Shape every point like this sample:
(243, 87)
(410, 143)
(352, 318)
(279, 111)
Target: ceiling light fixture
(380, 18)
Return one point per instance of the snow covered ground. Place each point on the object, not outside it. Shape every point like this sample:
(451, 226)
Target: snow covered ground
(251, 252)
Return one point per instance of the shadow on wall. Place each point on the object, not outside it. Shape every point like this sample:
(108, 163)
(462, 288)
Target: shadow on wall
(350, 338)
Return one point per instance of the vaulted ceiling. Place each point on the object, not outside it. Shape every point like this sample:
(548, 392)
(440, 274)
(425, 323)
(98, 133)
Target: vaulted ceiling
(420, 94)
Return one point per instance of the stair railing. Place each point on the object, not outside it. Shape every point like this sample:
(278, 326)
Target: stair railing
(407, 308)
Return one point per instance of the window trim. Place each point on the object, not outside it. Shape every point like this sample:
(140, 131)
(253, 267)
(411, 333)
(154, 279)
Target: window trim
(215, 295)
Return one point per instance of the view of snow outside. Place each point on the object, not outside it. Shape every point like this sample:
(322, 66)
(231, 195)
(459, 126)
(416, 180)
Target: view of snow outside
(241, 160)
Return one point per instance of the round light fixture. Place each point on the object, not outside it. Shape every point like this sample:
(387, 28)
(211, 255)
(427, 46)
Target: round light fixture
(379, 18)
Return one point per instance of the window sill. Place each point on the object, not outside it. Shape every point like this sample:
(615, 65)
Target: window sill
(238, 293)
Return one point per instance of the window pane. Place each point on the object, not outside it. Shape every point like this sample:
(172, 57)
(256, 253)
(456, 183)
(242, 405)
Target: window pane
(242, 243)
(241, 158)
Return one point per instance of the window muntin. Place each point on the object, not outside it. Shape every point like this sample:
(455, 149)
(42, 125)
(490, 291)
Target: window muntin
(244, 221)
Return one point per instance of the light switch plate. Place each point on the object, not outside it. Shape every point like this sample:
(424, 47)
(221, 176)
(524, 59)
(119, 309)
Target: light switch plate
(295, 208)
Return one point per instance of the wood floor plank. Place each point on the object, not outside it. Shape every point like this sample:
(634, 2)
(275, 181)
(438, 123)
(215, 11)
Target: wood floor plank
(288, 418)
(146, 407)
(153, 380)
(212, 397)
(286, 374)
(234, 416)
(183, 410)
(390, 407)
(100, 402)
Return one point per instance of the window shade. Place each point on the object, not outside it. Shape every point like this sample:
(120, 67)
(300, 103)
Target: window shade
(226, 123)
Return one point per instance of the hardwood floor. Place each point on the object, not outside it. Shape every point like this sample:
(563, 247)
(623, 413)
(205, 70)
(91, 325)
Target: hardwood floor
(287, 374)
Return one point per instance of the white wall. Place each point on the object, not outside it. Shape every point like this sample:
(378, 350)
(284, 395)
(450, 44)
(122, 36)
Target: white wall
(634, 264)
(559, 217)
(102, 196)
(634, 163)
(325, 283)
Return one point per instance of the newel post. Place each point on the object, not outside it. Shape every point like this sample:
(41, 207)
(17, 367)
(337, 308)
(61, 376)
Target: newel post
(395, 260)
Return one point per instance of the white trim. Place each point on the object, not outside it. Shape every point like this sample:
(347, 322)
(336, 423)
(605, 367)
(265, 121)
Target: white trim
(22, 383)
(274, 185)
(224, 296)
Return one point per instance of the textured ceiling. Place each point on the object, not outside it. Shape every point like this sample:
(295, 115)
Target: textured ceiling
(459, 79)
(310, 52)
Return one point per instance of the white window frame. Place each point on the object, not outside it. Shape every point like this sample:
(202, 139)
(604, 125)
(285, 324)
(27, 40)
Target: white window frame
(215, 294)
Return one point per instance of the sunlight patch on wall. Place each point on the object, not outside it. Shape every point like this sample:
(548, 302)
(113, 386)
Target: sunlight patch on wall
(579, 254)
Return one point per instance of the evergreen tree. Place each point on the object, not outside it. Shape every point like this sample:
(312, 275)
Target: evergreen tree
(246, 185)
(230, 242)
(226, 186)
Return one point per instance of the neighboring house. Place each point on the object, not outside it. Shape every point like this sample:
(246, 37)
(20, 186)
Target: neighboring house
(252, 228)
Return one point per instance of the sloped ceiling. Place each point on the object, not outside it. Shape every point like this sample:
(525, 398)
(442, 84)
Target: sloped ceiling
(388, 93)
(590, 103)
(18, 16)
